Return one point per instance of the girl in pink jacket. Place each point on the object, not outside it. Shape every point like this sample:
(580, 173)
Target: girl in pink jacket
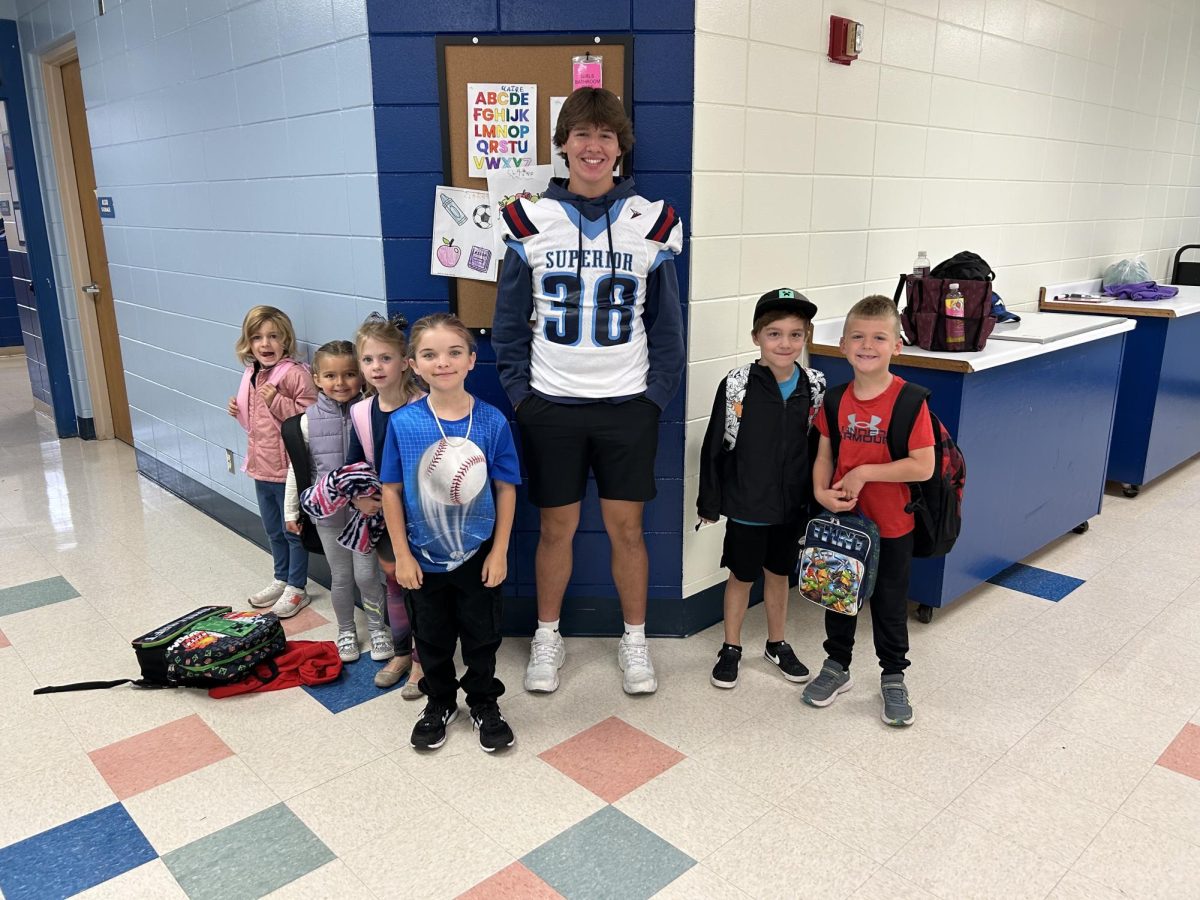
(274, 387)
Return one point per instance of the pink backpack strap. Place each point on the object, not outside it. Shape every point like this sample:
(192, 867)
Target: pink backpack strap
(280, 369)
(360, 416)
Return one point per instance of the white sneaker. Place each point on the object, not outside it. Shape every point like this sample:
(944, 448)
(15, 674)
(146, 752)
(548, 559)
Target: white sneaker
(381, 644)
(268, 595)
(547, 653)
(293, 600)
(633, 656)
(347, 645)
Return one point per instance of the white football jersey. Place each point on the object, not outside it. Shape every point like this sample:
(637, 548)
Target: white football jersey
(589, 291)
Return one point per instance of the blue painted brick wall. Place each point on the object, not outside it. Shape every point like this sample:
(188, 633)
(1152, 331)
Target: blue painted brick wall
(404, 70)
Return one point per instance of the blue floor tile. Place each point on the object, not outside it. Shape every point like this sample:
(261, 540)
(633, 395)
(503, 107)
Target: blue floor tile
(1038, 582)
(357, 685)
(74, 856)
(250, 858)
(34, 594)
(608, 855)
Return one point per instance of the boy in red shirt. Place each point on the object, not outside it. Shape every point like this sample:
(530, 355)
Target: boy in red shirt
(866, 478)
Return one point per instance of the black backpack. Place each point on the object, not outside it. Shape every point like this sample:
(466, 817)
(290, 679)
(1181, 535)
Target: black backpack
(301, 459)
(936, 503)
(209, 646)
(966, 266)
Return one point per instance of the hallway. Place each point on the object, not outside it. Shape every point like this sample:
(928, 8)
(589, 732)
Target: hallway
(1056, 750)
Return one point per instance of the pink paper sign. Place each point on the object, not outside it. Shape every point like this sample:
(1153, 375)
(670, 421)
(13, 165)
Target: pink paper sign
(587, 73)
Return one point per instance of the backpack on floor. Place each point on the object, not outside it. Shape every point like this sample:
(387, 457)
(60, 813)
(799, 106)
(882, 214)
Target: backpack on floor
(936, 503)
(209, 646)
(840, 561)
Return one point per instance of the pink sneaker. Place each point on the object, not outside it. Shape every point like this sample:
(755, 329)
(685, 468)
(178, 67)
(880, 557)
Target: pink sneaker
(293, 600)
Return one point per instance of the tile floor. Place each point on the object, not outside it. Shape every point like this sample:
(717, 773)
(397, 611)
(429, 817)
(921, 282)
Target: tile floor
(1056, 751)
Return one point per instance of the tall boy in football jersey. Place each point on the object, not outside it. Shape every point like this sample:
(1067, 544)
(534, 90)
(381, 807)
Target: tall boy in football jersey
(865, 478)
(591, 265)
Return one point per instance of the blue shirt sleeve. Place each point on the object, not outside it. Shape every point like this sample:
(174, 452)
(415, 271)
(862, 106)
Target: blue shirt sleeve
(355, 453)
(504, 464)
(391, 468)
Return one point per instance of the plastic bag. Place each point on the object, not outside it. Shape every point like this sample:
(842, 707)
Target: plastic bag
(1127, 271)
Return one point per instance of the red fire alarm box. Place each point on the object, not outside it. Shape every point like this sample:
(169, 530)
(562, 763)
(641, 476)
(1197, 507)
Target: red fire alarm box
(845, 39)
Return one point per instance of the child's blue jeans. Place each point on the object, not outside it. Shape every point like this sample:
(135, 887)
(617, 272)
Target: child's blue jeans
(288, 554)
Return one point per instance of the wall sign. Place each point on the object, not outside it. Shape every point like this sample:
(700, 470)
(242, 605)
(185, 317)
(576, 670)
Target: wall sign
(107, 210)
(501, 127)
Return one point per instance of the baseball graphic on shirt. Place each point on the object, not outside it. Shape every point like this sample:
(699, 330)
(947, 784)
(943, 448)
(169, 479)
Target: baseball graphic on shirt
(452, 472)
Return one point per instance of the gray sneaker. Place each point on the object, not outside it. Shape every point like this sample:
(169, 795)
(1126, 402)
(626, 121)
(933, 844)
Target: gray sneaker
(896, 708)
(831, 681)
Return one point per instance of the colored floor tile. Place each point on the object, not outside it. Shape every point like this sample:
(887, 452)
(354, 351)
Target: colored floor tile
(1183, 754)
(34, 594)
(357, 685)
(159, 755)
(73, 857)
(608, 855)
(1036, 582)
(611, 758)
(4, 641)
(250, 858)
(513, 882)
(305, 620)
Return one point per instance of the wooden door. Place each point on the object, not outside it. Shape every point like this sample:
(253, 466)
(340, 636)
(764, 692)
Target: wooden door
(106, 315)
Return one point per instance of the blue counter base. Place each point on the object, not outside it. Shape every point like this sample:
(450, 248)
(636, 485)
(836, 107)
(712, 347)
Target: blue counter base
(1158, 405)
(1035, 435)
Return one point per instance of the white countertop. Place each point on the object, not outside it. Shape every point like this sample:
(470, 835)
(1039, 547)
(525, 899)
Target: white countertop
(826, 333)
(1183, 304)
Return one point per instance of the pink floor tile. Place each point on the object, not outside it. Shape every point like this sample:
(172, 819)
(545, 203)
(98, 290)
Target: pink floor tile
(305, 620)
(513, 882)
(157, 756)
(4, 642)
(1183, 753)
(612, 758)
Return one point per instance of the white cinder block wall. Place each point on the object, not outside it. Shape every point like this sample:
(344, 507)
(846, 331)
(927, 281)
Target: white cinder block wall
(1052, 138)
(237, 141)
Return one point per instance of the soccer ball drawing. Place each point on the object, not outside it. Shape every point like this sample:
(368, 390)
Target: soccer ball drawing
(483, 217)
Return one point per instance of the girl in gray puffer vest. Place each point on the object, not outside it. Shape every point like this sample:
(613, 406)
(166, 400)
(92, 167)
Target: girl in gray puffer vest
(326, 429)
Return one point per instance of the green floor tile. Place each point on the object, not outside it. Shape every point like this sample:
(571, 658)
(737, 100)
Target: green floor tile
(249, 858)
(34, 594)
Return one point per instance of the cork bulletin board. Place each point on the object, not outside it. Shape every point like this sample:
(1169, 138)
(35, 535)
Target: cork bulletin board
(544, 60)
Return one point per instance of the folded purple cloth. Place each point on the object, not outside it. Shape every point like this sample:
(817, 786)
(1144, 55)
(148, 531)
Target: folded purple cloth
(1144, 290)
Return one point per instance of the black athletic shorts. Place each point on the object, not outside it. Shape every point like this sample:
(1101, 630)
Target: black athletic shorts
(562, 441)
(749, 549)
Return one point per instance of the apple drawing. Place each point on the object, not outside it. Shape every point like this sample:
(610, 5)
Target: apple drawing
(448, 254)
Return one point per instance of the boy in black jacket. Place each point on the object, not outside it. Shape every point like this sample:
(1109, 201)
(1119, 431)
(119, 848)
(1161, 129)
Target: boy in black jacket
(756, 470)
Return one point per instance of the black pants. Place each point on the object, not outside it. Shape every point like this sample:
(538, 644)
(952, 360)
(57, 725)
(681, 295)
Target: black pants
(450, 607)
(889, 612)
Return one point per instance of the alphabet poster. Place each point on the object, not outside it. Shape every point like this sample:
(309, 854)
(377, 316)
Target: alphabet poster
(501, 127)
(464, 224)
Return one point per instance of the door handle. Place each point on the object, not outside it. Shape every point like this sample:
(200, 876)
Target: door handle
(92, 288)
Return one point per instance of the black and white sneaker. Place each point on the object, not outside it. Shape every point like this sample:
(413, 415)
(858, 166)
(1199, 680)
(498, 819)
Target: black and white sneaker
(494, 733)
(430, 731)
(725, 672)
(782, 655)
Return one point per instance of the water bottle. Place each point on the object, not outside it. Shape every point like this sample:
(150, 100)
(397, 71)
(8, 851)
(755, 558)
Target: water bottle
(956, 328)
(921, 266)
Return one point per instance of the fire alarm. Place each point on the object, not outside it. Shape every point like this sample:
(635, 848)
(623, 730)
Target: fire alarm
(845, 40)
